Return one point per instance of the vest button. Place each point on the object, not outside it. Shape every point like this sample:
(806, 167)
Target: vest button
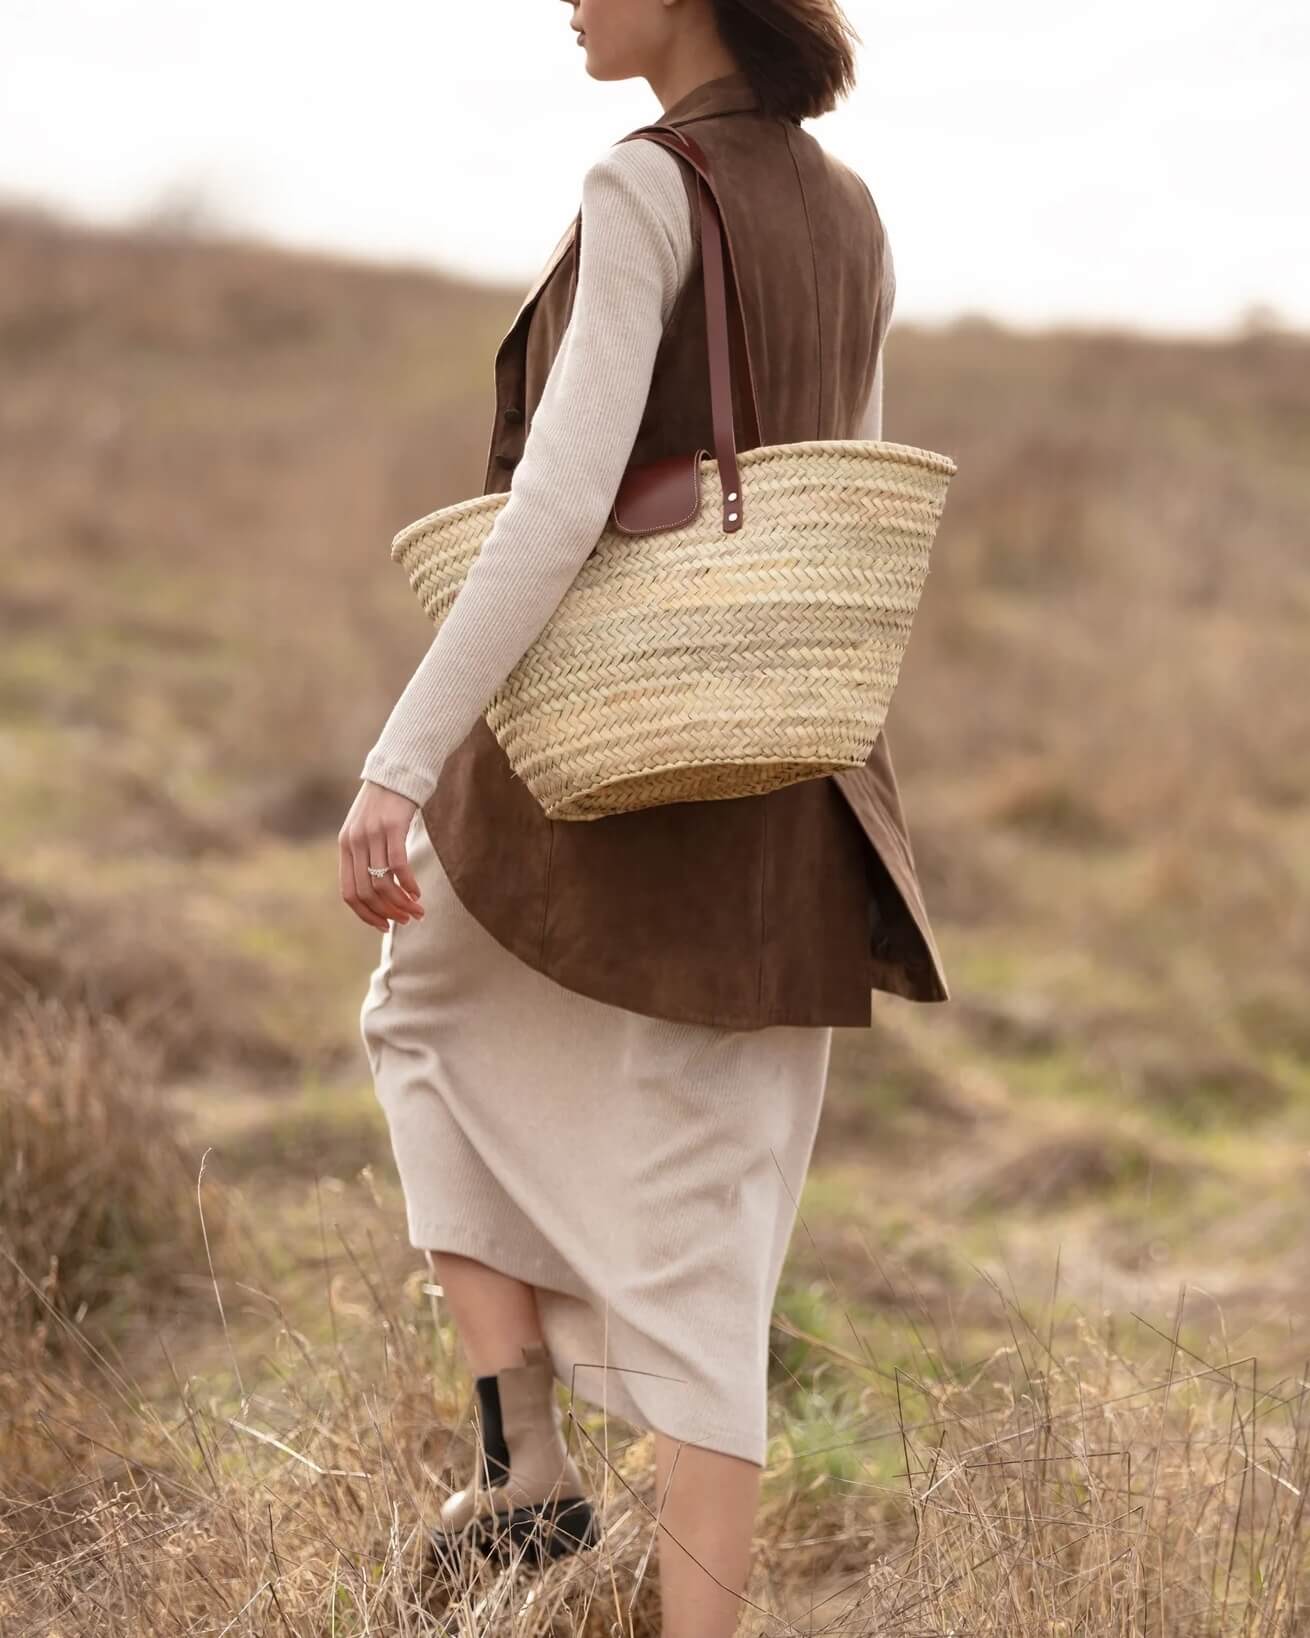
(514, 415)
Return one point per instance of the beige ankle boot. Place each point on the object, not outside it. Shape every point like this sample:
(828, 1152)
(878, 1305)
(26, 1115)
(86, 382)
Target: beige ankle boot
(526, 1498)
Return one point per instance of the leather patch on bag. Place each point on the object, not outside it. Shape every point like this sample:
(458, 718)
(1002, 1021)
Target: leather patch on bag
(659, 494)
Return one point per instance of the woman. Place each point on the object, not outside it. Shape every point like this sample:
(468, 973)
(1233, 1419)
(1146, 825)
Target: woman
(601, 1047)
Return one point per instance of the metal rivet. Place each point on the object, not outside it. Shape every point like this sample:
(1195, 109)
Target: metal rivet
(733, 495)
(732, 517)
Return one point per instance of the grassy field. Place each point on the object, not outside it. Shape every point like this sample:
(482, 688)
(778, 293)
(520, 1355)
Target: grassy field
(1040, 1349)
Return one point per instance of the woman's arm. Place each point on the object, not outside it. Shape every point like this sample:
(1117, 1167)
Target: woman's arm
(871, 424)
(871, 421)
(636, 252)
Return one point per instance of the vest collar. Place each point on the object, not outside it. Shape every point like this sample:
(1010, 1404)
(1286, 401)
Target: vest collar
(726, 94)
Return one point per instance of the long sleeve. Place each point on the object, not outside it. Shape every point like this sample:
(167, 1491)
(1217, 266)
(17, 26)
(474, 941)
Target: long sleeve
(871, 421)
(871, 424)
(636, 253)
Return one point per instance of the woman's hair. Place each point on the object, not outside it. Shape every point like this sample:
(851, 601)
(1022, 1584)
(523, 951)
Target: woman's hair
(797, 54)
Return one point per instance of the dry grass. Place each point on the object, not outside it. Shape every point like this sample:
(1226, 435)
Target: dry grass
(94, 1208)
(193, 1001)
(1083, 1477)
(960, 1460)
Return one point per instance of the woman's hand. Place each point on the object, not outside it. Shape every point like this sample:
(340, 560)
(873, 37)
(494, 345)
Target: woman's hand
(374, 834)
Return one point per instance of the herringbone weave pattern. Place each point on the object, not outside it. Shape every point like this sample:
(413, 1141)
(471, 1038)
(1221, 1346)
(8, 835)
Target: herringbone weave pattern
(690, 664)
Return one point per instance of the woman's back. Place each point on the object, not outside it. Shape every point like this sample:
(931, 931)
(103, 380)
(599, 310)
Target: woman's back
(789, 907)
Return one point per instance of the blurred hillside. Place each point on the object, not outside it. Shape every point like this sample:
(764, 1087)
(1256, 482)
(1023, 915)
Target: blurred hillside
(1102, 727)
(1102, 735)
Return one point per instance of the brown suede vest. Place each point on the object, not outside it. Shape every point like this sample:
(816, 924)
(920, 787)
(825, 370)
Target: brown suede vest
(786, 908)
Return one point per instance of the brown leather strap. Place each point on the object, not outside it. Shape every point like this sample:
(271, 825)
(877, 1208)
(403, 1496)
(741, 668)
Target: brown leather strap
(716, 250)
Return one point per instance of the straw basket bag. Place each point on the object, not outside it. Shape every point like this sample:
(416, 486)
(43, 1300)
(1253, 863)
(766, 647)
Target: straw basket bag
(741, 622)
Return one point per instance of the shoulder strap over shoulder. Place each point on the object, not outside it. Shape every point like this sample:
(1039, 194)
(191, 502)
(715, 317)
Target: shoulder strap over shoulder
(716, 251)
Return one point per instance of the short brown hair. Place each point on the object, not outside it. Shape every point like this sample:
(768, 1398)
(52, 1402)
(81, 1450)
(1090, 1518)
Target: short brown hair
(798, 55)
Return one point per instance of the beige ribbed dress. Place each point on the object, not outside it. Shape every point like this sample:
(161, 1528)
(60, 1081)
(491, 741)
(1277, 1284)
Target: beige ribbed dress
(641, 1172)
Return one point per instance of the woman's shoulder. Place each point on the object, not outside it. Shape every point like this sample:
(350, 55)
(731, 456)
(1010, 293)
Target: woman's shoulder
(642, 178)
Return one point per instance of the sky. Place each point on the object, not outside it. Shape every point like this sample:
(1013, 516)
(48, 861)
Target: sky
(1136, 162)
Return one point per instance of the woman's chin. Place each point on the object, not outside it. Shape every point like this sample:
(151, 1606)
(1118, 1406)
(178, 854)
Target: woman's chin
(597, 70)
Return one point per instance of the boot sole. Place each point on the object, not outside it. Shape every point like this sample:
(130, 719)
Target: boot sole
(534, 1533)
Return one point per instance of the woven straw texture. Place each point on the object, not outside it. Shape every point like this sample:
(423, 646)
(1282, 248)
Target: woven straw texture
(692, 664)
